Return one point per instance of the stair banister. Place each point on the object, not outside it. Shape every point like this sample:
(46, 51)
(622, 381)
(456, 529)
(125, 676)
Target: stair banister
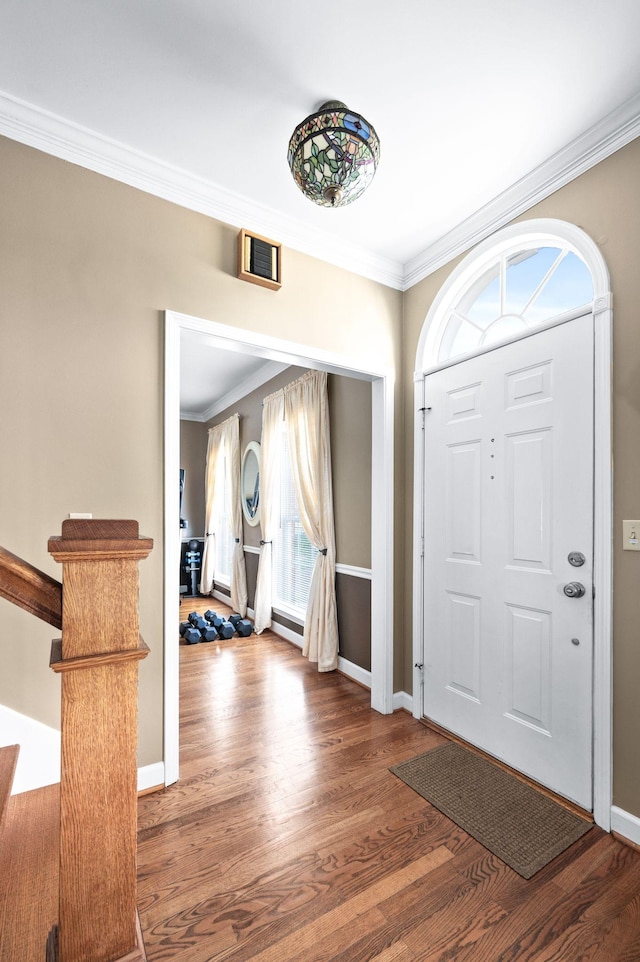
(97, 658)
(29, 588)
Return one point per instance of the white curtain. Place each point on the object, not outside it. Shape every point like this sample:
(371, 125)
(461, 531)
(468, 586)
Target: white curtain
(307, 419)
(213, 482)
(272, 413)
(223, 472)
(238, 580)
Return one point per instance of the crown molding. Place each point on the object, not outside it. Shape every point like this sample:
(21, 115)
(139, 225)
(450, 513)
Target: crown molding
(597, 143)
(62, 138)
(54, 135)
(248, 384)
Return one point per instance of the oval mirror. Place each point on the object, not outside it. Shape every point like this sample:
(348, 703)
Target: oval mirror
(250, 483)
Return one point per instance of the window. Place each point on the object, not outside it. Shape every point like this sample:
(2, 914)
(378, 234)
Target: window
(294, 556)
(520, 290)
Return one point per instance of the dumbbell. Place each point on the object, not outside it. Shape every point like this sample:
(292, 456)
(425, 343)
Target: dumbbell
(209, 615)
(243, 627)
(183, 627)
(225, 629)
(197, 621)
(209, 633)
(234, 618)
(192, 636)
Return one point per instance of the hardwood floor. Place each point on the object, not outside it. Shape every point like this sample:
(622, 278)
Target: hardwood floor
(287, 838)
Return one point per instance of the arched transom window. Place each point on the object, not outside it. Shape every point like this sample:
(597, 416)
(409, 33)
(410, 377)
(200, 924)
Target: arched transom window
(523, 282)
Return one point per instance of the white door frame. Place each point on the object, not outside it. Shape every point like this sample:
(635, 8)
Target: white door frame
(603, 481)
(382, 382)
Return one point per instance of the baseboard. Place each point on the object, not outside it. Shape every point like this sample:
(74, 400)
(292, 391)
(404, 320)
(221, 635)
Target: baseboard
(347, 668)
(355, 672)
(402, 700)
(39, 758)
(625, 824)
(286, 633)
(150, 777)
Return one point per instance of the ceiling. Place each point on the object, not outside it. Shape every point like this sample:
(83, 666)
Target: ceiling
(475, 105)
(212, 379)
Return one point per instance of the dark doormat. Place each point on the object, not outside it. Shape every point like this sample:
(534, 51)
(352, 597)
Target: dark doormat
(520, 825)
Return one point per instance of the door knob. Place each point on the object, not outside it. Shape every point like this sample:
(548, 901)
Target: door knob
(574, 589)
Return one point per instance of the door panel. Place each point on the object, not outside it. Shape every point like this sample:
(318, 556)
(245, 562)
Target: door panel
(508, 494)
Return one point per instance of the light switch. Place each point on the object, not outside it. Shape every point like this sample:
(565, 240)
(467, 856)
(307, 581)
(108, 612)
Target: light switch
(631, 535)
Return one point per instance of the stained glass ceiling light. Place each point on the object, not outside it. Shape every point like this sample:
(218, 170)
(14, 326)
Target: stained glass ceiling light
(333, 155)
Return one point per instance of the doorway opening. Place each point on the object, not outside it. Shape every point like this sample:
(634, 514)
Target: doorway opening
(508, 287)
(382, 381)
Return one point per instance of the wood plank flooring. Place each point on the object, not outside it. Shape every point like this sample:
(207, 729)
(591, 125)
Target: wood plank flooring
(287, 838)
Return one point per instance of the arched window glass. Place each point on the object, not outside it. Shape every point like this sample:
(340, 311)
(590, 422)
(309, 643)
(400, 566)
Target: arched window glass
(519, 290)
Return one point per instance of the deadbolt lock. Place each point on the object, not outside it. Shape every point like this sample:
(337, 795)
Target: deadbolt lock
(576, 558)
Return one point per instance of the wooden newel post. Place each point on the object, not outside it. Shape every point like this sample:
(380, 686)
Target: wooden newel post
(98, 662)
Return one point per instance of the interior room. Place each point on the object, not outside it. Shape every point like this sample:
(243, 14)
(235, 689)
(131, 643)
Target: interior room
(191, 222)
(208, 399)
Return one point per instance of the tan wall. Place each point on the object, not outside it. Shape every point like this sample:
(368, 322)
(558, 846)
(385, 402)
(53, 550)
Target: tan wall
(604, 202)
(87, 266)
(193, 457)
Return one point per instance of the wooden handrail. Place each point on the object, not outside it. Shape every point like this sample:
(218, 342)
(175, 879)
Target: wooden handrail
(30, 588)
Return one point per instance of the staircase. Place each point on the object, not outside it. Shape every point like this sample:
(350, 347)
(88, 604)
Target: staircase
(68, 852)
(29, 857)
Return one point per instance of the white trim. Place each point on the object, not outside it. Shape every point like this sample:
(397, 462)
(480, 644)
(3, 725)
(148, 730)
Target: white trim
(355, 672)
(289, 613)
(151, 776)
(625, 824)
(39, 757)
(287, 633)
(382, 380)
(353, 571)
(613, 132)
(251, 549)
(426, 357)
(417, 647)
(348, 668)
(402, 699)
(603, 564)
(172, 541)
(382, 546)
(55, 135)
(249, 383)
(220, 596)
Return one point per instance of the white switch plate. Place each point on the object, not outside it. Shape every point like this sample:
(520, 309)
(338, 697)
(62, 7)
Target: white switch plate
(79, 514)
(631, 535)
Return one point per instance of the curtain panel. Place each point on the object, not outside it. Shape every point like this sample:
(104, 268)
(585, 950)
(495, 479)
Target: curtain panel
(272, 414)
(223, 474)
(307, 418)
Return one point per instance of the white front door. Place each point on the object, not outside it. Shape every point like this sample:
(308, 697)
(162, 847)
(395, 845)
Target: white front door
(508, 499)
